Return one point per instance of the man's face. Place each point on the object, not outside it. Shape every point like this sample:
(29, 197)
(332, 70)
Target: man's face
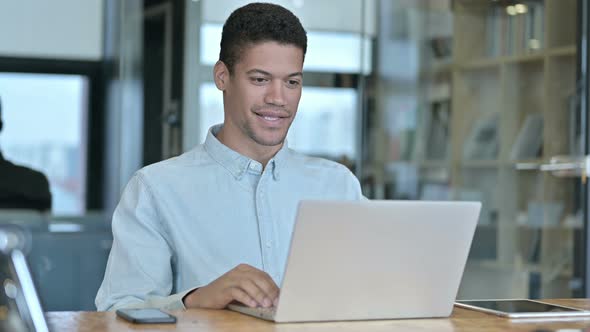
(262, 94)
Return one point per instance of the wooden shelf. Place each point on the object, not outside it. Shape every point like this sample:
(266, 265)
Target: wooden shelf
(486, 63)
(489, 225)
(422, 163)
(434, 164)
(403, 162)
(480, 163)
(552, 227)
(508, 90)
(529, 267)
(520, 58)
(563, 51)
(526, 165)
(530, 161)
(566, 223)
(524, 58)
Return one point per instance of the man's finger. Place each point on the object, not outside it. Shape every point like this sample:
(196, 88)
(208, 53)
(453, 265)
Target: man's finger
(241, 296)
(257, 293)
(265, 282)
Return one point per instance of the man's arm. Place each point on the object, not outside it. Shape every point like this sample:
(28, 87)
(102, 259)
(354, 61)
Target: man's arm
(138, 272)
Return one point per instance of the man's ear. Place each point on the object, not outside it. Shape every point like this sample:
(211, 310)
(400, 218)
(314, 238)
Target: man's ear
(220, 75)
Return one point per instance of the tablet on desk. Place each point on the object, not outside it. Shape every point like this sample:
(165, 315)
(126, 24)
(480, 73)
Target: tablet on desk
(522, 308)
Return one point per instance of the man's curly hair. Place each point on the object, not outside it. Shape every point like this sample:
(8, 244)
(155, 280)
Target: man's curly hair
(259, 22)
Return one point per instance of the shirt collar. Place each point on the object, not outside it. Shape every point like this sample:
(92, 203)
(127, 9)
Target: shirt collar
(236, 163)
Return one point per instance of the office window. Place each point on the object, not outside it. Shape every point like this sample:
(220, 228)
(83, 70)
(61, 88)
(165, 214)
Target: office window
(45, 129)
(325, 123)
(211, 110)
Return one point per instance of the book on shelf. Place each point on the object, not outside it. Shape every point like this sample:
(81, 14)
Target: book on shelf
(435, 192)
(406, 139)
(482, 142)
(441, 47)
(514, 33)
(438, 130)
(529, 142)
(544, 213)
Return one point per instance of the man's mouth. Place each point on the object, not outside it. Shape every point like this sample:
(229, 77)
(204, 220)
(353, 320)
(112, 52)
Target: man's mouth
(271, 117)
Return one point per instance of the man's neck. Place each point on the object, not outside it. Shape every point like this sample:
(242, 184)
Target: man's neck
(260, 153)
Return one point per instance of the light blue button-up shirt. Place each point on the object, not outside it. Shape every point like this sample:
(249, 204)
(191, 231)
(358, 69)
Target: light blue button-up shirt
(183, 222)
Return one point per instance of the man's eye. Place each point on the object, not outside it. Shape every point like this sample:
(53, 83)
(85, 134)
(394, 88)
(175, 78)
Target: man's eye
(259, 80)
(293, 82)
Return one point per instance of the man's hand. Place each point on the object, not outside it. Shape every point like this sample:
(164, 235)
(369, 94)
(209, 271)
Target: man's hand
(243, 283)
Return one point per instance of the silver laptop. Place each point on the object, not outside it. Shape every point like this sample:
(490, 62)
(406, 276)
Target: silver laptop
(373, 260)
(20, 309)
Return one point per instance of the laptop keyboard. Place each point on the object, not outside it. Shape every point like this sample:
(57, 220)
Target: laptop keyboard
(268, 311)
(258, 311)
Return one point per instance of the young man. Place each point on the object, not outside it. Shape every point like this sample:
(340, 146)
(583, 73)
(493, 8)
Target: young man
(213, 225)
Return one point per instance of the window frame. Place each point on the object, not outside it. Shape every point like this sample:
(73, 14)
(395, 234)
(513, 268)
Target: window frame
(93, 70)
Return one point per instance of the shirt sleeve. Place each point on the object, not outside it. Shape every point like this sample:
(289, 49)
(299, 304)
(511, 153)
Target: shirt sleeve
(354, 187)
(139, 268)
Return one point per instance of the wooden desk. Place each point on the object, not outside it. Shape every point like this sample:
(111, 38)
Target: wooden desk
(222, 320)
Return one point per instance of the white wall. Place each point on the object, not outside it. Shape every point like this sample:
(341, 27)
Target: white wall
(62, 29)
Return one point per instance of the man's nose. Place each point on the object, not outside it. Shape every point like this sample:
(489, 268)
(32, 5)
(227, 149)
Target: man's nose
(275, 94)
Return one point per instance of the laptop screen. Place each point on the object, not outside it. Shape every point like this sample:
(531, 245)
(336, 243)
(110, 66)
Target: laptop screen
(20, 309)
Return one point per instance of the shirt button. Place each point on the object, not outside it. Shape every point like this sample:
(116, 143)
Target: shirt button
(268, 244)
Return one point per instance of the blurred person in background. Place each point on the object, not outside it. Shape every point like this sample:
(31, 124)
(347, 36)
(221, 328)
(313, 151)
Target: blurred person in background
(21, 187)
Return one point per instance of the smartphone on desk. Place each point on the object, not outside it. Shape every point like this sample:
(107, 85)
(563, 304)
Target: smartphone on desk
(146, 316)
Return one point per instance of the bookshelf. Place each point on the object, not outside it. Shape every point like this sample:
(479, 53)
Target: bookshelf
(512, 79)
